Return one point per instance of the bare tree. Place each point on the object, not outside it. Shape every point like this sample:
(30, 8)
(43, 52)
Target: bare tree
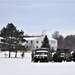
(56, 35)
(71, 40)
(60, 42)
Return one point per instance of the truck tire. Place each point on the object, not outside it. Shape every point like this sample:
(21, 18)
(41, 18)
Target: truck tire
(35, 60)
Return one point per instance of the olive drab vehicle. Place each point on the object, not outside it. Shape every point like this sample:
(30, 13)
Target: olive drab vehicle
(62, 55)
(41, 54)
(68, 57)
(57, 57)
(73, 56)
(44, 54)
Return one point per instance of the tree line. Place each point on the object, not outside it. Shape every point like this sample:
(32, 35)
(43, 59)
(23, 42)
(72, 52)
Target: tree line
(69, 40)
(12, 40)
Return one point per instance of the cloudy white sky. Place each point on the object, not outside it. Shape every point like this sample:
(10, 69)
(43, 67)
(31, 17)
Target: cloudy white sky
(34, 16)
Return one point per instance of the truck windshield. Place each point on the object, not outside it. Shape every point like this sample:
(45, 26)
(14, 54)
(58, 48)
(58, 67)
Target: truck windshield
(40, 52)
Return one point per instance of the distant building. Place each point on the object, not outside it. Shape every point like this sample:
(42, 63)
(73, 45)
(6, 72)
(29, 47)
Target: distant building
(34, 42)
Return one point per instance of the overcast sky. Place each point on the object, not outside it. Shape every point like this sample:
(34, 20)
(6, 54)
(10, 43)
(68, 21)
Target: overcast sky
(34, 16)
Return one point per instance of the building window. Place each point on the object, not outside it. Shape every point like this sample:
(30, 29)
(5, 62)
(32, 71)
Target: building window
(26, 41)
(36, 41)
(31, 41)
(53, 42)
(41, 41)
(36, 46)
(26, 46)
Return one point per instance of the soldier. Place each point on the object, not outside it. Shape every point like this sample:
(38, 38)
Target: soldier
(32, 55)
(22, 55)
(5, 55)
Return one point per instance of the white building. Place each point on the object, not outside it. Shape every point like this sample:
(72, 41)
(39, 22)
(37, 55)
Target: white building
(34, 42)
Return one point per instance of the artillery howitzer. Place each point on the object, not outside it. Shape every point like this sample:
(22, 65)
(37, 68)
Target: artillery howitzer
(62, 55)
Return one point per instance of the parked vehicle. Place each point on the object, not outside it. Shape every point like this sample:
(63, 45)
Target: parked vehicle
(41, 54)
(46, 55)
(68, 57)
(57, 57)
(73, 56)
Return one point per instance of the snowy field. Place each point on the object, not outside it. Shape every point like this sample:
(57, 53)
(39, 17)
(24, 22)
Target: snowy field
(19, 66)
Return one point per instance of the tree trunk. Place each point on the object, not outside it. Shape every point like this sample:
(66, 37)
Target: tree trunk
(16, 54)
(9, 54)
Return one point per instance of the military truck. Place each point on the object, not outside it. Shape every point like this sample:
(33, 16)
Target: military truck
(41, 54)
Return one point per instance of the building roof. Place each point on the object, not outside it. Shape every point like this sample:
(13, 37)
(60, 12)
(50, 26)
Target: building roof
(37, 37)
(51, 38)
(31, 38)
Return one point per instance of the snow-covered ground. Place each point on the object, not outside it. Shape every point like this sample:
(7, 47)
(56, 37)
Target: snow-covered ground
(19, 66)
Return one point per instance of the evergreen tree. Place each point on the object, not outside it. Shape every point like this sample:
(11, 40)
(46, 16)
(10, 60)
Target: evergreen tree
(46, 43)
(12, 39)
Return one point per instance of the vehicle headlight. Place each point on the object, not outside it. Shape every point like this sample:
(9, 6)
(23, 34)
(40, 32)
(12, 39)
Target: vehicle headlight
(42, 56)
